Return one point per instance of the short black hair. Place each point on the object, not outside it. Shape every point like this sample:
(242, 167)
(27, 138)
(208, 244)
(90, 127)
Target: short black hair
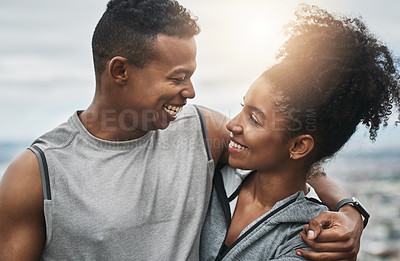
(129, 28)
(333, 74)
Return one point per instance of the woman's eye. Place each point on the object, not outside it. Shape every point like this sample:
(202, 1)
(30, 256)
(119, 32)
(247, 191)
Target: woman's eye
(253, 119)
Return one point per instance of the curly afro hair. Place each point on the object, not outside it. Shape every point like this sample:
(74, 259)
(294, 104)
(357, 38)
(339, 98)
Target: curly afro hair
(333, 74)
(129, 28)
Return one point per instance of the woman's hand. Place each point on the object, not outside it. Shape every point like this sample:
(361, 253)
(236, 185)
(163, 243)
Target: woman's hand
(333, 235)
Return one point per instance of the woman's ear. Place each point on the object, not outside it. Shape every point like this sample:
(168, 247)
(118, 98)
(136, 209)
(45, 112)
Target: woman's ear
(117, 69)
(301, 146)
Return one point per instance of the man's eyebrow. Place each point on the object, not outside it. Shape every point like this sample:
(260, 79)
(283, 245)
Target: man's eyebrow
(185, 71)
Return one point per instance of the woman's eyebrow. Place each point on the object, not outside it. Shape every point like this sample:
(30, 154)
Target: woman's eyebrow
(253, 108)
(257, 110)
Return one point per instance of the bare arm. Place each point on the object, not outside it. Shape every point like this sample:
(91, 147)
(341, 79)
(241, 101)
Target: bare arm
(340, 237)
(327, 189)
(217, 133)
(22, 225)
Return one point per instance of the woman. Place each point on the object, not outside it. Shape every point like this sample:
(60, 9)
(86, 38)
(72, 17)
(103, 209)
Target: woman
(332, 75)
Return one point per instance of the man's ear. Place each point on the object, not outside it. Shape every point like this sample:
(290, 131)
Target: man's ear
(117, 69)
(301, 146)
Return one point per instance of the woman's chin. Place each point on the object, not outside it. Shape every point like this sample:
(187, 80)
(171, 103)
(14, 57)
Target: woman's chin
(235, 163)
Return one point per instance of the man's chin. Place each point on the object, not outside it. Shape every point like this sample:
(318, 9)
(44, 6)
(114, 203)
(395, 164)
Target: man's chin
(164, 126)
(158, 125)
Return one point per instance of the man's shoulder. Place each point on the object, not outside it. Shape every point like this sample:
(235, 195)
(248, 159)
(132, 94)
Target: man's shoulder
(62, 134)
(217, 132)
(21, 186)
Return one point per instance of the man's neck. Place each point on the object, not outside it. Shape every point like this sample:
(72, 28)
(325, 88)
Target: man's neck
(105, 124)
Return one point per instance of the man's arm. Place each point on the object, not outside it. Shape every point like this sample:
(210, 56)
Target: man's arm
(22, 225)
(217, 134)
(327, 189)
(340, 237)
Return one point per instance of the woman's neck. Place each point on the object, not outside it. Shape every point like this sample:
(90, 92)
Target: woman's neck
(267, 188)
(259, 193)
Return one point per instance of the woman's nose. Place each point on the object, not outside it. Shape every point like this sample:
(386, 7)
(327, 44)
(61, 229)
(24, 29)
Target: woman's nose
(234, 125)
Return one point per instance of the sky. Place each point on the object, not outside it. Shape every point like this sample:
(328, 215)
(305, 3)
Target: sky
(46, 69)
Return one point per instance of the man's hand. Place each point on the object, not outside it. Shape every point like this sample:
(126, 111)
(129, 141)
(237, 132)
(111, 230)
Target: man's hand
(333, 235)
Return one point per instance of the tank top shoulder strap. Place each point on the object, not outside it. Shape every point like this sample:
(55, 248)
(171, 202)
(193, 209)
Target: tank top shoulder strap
(44, 172)
(204, 131)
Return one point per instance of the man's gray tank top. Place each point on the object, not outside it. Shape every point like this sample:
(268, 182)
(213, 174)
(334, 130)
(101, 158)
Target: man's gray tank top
(143, 199)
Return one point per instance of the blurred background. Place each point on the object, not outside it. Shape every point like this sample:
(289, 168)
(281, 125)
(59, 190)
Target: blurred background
(46, 73)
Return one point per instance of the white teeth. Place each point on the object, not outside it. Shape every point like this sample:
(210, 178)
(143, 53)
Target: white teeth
(238, 146)
(173, 110)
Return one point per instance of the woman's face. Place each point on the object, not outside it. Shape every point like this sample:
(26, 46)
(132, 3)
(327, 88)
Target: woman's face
(258, 141)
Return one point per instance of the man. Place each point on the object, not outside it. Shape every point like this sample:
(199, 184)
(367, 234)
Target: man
(129, 178)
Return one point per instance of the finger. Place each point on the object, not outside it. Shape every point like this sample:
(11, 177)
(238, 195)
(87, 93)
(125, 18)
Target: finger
(313, 229)
(317, 223)
(333, 234)
(310, 233)
(341, 246)
(311, 255)
(305, 228)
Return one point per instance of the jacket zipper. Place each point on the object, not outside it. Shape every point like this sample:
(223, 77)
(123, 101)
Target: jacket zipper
(237, 241)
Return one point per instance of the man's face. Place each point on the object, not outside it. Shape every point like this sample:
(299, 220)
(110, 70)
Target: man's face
(157, 92)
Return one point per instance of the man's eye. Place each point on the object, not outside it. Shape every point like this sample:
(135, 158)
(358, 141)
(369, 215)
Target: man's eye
(181, 79)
